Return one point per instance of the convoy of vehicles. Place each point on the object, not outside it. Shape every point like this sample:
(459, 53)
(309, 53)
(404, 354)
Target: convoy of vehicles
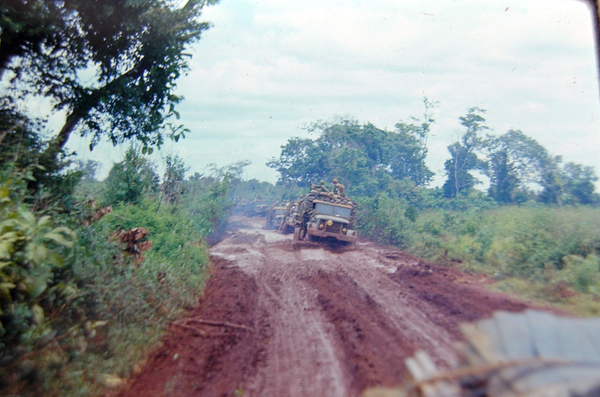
(319, 215)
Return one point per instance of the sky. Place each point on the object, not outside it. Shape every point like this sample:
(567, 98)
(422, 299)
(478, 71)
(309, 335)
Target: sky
(267, 69)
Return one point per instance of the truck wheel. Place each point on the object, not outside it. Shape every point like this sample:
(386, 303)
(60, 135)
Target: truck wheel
(297, 232)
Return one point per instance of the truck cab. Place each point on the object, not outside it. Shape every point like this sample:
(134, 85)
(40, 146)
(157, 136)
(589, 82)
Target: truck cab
(329, 220)
(291, 218)
(274, 217)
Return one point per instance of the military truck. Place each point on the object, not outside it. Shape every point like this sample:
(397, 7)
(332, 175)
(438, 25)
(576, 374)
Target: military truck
(324, 215)
(290, 219)
(275, 216)
(260, 208)
(256, 208)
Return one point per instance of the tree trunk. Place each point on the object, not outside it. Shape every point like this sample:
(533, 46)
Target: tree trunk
(63, 136)
(92, 100)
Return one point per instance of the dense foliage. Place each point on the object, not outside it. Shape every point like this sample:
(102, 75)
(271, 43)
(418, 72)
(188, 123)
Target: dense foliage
(73, 297)
(111, 64)
(80, 293)
(365, 157)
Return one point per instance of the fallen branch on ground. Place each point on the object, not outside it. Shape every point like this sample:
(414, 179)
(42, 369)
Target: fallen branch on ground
(217, 323)
(201, 332)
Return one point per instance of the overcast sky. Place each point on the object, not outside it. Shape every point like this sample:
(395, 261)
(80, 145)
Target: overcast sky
(268, 68)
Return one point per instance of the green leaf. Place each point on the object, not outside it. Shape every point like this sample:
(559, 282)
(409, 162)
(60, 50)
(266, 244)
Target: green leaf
(56, 259)
(7, 285)
(44, 220)
(9, 223)
(4, 264)
(27, 215)
(37, 314)
(37, 286)
(5, 292)
(58, 238)
(65, 230)
(7, 241)
(40, 253)
(6, 249)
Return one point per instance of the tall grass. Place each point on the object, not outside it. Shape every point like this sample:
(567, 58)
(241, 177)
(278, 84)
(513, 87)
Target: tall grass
(553, 249)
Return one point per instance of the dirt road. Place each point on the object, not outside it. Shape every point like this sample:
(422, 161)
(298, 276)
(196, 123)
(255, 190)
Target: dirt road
(311, 321)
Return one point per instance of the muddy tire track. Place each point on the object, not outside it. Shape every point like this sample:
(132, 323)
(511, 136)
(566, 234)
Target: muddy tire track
(321, 320)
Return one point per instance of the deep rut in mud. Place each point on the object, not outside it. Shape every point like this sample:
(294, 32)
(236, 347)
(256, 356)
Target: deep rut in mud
(278, 320)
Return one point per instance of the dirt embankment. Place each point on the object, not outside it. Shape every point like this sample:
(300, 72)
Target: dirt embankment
(311, 321)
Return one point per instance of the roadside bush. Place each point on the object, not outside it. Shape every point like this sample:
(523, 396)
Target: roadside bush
(30, 255)
(515, 241)
(383, 219)
(129, 180)
(207, 204)
(581, 273)
(174, 270)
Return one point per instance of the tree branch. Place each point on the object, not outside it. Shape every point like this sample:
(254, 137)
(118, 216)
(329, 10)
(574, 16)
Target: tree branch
(91, 100)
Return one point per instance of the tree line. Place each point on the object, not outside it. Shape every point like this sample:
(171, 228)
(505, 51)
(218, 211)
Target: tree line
(371, 160)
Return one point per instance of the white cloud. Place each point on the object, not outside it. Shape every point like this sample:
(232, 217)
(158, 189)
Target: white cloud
(267, 68)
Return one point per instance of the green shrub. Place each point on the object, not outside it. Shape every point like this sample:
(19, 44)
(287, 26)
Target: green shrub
(129, 180)
(383, 219)
(581, 273)
(29, 257)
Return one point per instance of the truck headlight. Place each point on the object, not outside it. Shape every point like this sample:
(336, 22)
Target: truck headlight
(321, 226)
(344, 230)
(329, 222)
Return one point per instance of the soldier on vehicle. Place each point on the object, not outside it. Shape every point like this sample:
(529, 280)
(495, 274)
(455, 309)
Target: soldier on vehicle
(323, 187)
(338, 188)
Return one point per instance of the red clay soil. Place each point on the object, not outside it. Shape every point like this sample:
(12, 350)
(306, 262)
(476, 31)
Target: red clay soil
(278, 320)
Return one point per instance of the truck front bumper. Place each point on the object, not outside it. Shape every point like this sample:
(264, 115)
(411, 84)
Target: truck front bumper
(349, 237)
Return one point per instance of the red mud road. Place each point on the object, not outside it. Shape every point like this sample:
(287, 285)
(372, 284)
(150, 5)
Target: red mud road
(311, 321)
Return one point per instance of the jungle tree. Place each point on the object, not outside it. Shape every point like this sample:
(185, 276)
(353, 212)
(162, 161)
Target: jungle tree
(110, 65)
(463, 154)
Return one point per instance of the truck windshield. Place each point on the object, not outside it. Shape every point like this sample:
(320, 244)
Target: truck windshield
(325, 209)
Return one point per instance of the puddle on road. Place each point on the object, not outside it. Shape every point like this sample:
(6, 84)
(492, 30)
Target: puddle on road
(314, 255)
(221, 255)
(271, 236)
